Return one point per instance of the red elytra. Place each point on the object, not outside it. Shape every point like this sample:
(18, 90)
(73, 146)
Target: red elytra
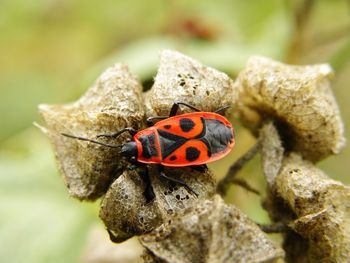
(184, 140)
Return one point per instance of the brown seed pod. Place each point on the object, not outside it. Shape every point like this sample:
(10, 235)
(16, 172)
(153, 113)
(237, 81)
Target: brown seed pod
(181, 78)
(112, 103)
(126, 212)
(322, 209)
(210, 231)
(298, 98)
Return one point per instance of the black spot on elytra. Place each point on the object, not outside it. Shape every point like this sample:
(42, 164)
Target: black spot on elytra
(192, 154)
(169, 142)
(168, 126)
(148, 146)
(186, 124)
(173, 158)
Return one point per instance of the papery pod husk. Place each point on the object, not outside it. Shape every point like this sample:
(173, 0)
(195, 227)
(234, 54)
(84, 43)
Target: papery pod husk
(111, 104)
(322, 209)
(210, 231)
(298, 98)
(126, 212)
(181, 78)
(315, 207)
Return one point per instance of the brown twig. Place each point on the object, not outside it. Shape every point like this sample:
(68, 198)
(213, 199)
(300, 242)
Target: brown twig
(230, 176)
(274, 228)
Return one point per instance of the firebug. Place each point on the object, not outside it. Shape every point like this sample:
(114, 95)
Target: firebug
(191, 139)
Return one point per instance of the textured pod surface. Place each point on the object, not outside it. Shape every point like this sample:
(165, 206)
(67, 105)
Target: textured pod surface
(126, 212)
(181, 78)
(112, 103)
(212, 232)
(299, 97)
(316, 207)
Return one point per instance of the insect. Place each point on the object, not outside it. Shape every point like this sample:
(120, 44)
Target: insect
(191, 139)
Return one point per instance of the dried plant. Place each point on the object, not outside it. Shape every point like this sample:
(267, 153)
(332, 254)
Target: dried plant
(290, 109)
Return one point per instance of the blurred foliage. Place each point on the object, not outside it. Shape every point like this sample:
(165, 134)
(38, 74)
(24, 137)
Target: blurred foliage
(51, 51)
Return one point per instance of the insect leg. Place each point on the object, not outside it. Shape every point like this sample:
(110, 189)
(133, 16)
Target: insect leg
(132, 132)
(176, 106)
(176, 181)
(148, 193)
(222, 110)
(150, 120)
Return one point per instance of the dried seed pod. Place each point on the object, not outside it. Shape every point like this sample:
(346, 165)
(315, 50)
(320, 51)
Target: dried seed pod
(210, 231)
(126, 212)
(181, 78)
(299, 98)
(112, 103)
(317, 209)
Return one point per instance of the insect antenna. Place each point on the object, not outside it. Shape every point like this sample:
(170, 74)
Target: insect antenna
(93, 141)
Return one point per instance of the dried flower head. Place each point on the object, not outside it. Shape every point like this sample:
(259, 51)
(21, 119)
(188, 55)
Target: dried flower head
(182, 78)
(112, 103)
(210, 231)
(298, 98)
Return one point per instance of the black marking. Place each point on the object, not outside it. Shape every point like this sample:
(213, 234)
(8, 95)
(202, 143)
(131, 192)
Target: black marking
(169, 142)
(172, 158)
(207, 144)
(168, 126)
(217, 136)
(203, 130)
(186, 124)
(151, 139)
(148, 147)
(192, 154)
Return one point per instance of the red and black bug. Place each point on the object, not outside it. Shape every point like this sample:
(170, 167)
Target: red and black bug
(191, 139)
(185, 140)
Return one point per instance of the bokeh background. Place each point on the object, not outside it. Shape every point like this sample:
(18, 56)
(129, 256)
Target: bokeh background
(52, 50)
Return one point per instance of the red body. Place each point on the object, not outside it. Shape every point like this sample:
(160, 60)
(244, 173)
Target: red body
(188, 139)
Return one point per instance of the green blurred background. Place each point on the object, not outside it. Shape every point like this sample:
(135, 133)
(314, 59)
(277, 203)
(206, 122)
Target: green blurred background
(51, 51)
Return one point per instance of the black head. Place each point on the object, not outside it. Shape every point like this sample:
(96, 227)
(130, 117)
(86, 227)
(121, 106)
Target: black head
(129, 150)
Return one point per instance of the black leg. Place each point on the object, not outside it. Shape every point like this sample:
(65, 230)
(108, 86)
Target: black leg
(222, 110)
(150, 120)
(132, 132)
(230, 177)
(176, 106)
(176, 181)
(148, 193)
